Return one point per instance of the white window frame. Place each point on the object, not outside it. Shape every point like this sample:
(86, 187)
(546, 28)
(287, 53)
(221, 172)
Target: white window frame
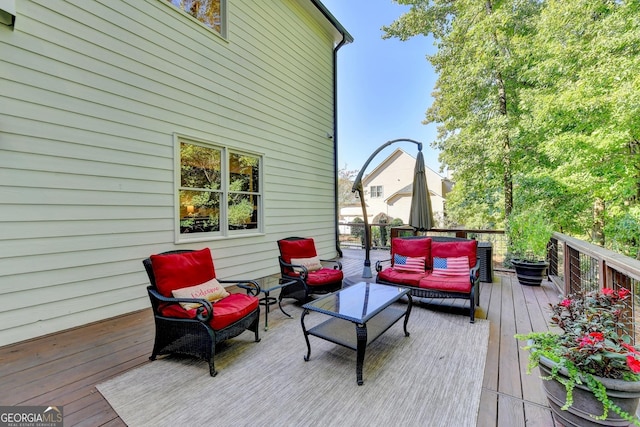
(379, 193)
(224, 231)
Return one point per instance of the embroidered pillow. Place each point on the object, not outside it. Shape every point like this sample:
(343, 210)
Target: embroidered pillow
(452, 266)
(408, 264)
(312, 264)
(211, 291)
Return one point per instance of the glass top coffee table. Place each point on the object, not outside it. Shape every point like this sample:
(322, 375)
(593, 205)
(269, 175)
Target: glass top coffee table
(368, 306)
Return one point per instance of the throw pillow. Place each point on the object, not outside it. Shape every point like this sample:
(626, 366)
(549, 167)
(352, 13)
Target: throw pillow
(452, 266)
(312, 264)
(211, 291)
(408, 264)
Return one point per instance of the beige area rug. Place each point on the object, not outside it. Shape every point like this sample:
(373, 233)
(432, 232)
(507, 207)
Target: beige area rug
(431, 378)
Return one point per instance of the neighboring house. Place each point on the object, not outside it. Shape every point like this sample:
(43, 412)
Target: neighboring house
(129, 127)
(388, 190)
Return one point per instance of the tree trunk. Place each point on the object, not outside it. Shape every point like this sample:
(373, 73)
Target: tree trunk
(597, 232)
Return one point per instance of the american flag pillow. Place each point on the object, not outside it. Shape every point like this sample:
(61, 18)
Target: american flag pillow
(408, 264)
(453, 266)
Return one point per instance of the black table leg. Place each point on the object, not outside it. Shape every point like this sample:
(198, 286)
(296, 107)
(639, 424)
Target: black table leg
(361, 334)
(406, 315)
(306, 335)
(267, 301)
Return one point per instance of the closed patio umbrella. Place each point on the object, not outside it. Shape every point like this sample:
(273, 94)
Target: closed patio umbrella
(420, 215)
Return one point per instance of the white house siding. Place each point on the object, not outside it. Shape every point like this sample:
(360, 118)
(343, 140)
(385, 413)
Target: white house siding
(93, 92)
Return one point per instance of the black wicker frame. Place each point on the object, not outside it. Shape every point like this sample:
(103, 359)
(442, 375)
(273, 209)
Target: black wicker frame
(196, 337)
(474, 276)
(300, 291)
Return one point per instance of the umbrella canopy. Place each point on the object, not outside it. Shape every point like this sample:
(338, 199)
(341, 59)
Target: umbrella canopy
(420, 215)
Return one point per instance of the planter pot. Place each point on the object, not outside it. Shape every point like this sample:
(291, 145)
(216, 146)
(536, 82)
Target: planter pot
(625, 394)
(530, 273)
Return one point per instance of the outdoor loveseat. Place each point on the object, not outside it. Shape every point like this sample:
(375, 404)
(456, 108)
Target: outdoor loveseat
(434, 267)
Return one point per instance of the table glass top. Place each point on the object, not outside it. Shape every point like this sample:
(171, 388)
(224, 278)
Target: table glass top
(359, 302)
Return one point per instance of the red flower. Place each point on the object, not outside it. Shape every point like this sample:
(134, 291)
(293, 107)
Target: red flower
(623, 292)
(585, 341)
(566, 302)
(607, 291)
(634, 364)
(629, 347)
(597, 336)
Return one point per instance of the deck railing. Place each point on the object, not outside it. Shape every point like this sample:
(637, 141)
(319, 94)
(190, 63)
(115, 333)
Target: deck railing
(574, 265)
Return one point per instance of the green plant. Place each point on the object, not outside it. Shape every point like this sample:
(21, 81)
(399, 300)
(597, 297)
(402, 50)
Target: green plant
(528, 233)
(592, 344)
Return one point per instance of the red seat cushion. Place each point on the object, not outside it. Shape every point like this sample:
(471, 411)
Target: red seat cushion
(324, 276)
(175, 271)
(460, 248)
(225, 311)
(450, 284)
(400, 277)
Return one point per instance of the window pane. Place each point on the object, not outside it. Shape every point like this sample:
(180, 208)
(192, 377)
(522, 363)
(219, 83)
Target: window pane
(199, 211)
(206, 11)
(200, 167)
(244, 172)
(243, 211)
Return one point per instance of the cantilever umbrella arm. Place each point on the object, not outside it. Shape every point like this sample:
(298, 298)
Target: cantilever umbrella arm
(357, 186)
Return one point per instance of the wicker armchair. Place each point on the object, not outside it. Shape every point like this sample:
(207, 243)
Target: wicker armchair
(299, 261)
(196, 331)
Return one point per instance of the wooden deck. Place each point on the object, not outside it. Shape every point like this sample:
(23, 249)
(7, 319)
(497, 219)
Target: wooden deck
(63, 369)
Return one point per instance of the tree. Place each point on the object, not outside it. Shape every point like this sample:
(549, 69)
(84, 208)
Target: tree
(345, 182)
(538, 104)
(476, 101)
(584, 105)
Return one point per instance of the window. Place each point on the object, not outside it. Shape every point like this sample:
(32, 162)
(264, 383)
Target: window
(375, 191)
(219, 191)
(210, 12)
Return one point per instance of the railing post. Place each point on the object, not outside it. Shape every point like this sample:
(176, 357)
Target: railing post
(569, 268)
(603, 277)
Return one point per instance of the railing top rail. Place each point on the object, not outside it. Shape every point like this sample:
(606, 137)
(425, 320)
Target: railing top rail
(621, 263)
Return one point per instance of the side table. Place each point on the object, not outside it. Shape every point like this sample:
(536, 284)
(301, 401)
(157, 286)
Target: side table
(267, 301)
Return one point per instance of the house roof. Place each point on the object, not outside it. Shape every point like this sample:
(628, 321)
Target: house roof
(383, 165)
(406, 191)
(341, 35)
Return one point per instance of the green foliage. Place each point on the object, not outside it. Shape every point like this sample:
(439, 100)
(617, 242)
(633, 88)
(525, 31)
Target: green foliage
(528, 233)
(537, 103)
(240, 212)
(358, 231)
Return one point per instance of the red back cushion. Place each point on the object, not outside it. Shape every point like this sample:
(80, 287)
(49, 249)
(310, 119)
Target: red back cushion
(304, 248)
(412, 248)
(459, 248)
(176, 271)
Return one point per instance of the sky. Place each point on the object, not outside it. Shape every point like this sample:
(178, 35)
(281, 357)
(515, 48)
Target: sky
(384, 86)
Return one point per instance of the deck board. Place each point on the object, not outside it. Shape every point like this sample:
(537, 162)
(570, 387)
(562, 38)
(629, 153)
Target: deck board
(63, 368)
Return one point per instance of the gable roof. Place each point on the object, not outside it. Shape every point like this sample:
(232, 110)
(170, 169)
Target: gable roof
(398, 152)
(406, 191)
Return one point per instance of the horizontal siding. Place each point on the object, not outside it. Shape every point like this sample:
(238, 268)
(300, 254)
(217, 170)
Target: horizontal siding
(93, 92)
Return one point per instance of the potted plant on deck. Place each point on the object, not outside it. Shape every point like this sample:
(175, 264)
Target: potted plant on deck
(591, 371)
(528, 234)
